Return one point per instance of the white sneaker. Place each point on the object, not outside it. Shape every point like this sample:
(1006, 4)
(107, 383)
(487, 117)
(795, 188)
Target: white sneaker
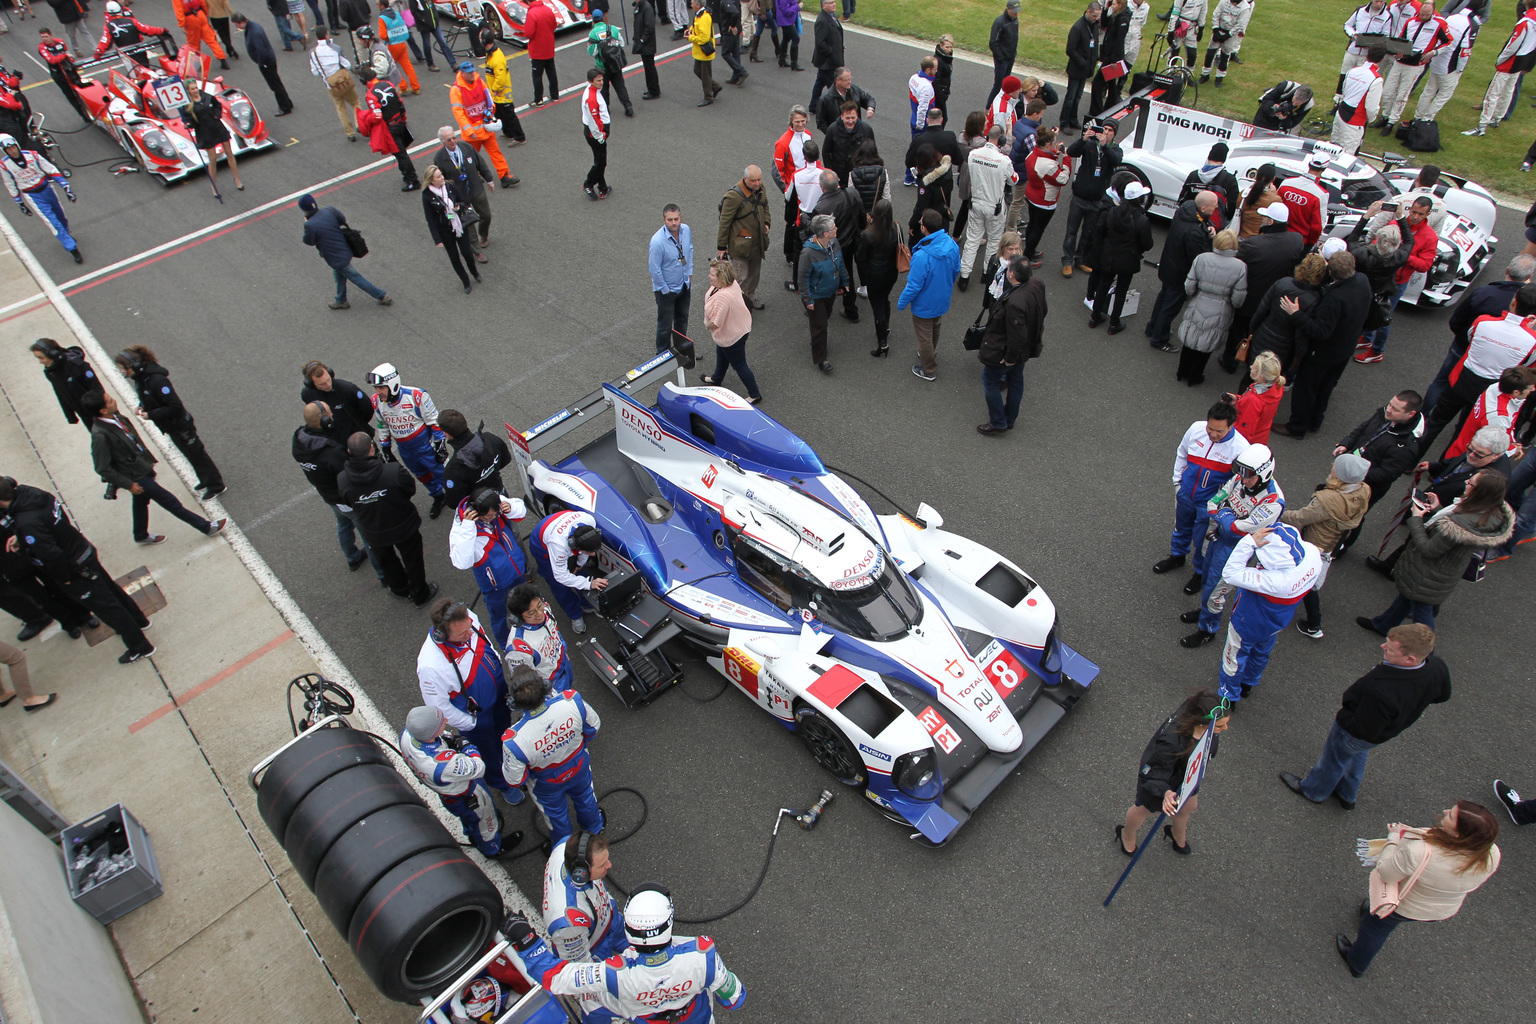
(1315, 634)
(1479, 130)
(863, 291)
(579, 625)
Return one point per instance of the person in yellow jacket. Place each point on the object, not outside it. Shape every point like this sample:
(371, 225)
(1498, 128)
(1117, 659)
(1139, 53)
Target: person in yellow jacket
(499, 81)
(475, 112)
(702, 35)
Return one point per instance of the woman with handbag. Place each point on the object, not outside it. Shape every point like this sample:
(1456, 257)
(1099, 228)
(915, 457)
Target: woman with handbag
(449, 217)
(729, 322)
(204, 117)
(877, 257)
(1163, 764)
(1422, 874)
(1009, 246)
(1445, 548)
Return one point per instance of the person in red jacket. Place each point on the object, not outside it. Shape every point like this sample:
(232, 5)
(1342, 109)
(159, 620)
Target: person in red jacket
(192, 16)
(14, 110)
(1306, 199)
(1425, 244)
(789, 157)
(120, 28)
(1256, 406)
(384, 122)
(61, 66)
(540, 27)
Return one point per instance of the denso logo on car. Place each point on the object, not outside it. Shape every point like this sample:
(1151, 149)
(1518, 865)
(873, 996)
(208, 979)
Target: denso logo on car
(642, 424)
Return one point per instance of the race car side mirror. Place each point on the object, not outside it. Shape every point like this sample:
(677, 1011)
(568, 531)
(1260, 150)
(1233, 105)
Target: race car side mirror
(682, 348)
(764, 648)
(928, 516)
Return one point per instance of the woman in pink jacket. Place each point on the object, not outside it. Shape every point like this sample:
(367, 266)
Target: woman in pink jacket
(729, 322)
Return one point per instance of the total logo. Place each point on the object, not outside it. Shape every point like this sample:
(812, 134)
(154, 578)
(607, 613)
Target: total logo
(709, 476)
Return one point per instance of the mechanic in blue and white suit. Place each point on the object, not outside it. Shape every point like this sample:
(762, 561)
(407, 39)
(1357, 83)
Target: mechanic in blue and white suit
(1288, 568)
(1202, 464)
(535, 638)
(662, 977)
(481, 539)
(407, 421)
(1248, 503)
(565, 546)
(547, 746)
(460, 674)
(452, 768)
(581, 917)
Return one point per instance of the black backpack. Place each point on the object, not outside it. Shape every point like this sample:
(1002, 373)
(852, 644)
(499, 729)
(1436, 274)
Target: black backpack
(1423, 137)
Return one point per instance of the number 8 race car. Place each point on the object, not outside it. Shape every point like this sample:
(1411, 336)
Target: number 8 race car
(916, 665)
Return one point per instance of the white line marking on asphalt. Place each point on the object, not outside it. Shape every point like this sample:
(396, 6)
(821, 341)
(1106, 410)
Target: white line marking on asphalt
(292, 197)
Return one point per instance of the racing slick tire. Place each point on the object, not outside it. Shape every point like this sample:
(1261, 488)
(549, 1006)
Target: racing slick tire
(334, 806)
(491, 18)
(423, 922)
(370, 848)
(830, 747)
(305, 765)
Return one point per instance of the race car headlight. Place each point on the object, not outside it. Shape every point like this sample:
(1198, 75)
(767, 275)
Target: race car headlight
(517, 12)
(579, 5)
(244, 115)
(917, 775)
(1444, 269)
(158, 143)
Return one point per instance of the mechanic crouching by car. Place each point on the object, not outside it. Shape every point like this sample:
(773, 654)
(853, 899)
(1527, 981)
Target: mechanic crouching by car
(581, 916)
(661, 977)
(481, 539)
(460, 675)
(547, 747)
(453, 768)
(535, 638)
(565, 547)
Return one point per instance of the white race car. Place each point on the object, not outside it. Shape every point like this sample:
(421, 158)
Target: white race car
(1168, 142)
(915, 664)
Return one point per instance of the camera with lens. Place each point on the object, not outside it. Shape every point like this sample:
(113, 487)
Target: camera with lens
(111, 493)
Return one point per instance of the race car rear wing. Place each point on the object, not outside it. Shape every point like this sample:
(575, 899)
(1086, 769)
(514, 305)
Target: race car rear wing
(117, 54)
(1151, 118)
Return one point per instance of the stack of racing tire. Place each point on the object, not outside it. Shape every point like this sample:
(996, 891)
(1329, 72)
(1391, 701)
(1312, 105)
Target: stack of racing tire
(415, 910)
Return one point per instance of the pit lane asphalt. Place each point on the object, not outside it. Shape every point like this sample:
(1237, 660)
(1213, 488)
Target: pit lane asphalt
(855, 923)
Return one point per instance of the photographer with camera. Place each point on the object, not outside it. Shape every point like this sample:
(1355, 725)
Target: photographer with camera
(453, 768)
(1096, 158)
(482, 539)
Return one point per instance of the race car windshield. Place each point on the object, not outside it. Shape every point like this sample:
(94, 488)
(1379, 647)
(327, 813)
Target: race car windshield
(1358, 193)
(883, 609)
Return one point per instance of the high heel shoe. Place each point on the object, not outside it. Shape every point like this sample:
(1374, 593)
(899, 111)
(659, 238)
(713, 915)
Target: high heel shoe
(1120, 842)
(239, 188)
(883, 350)
(1168, 831)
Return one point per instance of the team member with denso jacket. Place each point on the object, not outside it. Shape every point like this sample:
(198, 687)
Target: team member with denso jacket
(1201, 465)
(565, 546)
(1288, 568)
(582, 918)
(547, 746)
(535, 638)
(460, 675)
(1247, 503)
(408, 416)
(454, 769)
(662, 977)
(482, 539)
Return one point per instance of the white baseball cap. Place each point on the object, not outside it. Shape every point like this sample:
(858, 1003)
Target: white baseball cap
(1277, 212)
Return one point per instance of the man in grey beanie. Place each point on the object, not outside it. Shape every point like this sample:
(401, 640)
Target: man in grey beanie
(1337, 506)
(452, 768)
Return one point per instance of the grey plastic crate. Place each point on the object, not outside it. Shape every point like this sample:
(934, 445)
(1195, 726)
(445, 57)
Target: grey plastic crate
(125, 891)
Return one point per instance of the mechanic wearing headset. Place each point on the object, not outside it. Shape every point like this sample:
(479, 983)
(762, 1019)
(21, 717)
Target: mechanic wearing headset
(453, 768)
(159, 403)
(481, 539)
(120, 28)
(1247, 503)
(565, 546)
(580, 914)
(1270, 591)
(1201, 465)
(535, 640)
(408, 416)
(661, 977)
(30, 179)
(460, 675)
(547, 746)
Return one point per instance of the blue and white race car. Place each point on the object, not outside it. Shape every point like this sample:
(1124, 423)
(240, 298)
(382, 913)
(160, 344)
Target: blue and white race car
(916, 665)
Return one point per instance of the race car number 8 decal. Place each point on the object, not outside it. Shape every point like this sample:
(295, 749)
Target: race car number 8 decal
(1006, 672)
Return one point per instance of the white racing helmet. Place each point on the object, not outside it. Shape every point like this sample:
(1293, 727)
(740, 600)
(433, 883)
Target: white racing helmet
(113, 7)
(385, 376)
(7, 141)
(1257, 459)
(478, 1001)
(648, 918)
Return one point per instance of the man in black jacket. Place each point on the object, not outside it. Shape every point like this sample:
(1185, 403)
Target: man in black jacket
(380, 493)
(1215, 176)
(1380, 705)
(34, 523)
(36, 600)
(318, 450)
(1284, 107)
(351, 408)
(831, 106)
(1095, 158)
(1115, 24)
(1388, 440)
(1190, 234)
(124, 463)
(159, 403)
(70, 375)
(1082, 62)
(1488, 300)
(842, 140)
(475, 176)
(1331, 328)
(1004, 44)
(846, 209)
(827, 57)
(259, 49)
(1269, 255)
(1015, 334)
(936, 135)
(478, 458)
(643, 42)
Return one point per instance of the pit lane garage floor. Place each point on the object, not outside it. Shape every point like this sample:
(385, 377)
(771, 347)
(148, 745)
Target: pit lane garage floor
(855, 923)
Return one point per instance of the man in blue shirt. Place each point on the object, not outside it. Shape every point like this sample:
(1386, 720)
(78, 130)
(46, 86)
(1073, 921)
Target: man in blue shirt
(671, 262)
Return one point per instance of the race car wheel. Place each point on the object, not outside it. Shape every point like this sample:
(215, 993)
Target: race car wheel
(1146, 182)
(830, 747)
(492, 19)
(367, 850)
(423, 922)
(337, 804)
(303, 766)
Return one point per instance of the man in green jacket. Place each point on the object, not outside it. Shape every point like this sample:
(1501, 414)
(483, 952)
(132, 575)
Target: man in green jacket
(122, 460)
(745, 224)
(605, 44)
